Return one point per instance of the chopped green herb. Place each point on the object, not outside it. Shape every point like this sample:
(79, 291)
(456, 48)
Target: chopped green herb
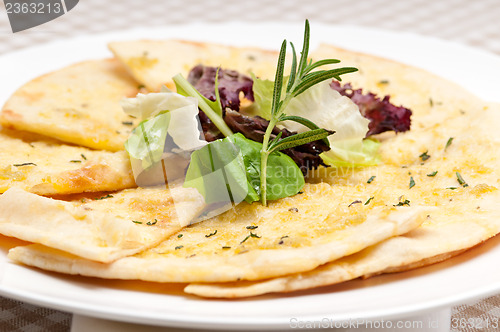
(432, 174)
(450, 140)
(141, 86)
(24, 164)
(383, 82)
(83, 156)
(127, 123)
(179, 247)
(211, 234)
(136, 222)
(412, 182)
(431, 102)
(103, 197)
(370, 180)
(461, 180)
(251, 227)
(149, 223)
(226, 247)
(75, 161)
(369, 200)
(179, 236)
(452, 188)
(249, 236)
(403, 203)
(424, 156)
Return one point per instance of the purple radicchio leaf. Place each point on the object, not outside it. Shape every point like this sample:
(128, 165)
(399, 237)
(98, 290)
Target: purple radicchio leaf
(383, 115)
(230, 82)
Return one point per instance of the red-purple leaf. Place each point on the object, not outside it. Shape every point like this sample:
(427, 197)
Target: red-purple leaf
(383, 115)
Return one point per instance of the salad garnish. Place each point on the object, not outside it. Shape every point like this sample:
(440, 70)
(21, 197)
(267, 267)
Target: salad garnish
(299, 122)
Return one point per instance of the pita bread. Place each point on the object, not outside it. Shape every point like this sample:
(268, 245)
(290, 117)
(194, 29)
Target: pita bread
(99, 228)
(154, 62)
(45, 166)
(464, 216)
(294, 234)
(78, 104)
(326, 225)
(449, 231)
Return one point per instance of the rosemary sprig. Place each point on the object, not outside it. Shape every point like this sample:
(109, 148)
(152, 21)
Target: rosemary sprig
(301, 78)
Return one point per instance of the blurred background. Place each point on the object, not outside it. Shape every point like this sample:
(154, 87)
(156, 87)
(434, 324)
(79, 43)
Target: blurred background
(473, 23)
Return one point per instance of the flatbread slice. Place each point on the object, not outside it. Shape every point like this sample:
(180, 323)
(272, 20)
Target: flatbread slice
(78, 104)
(99, 228)
(47, 167)
(154, 62)
(252, 242)
(448, 232)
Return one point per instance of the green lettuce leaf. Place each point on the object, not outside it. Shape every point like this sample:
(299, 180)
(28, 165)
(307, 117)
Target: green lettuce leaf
(228, 170)
(162, 113)
(367, 156)
(329, 110)
(263, 95)
(147, 141)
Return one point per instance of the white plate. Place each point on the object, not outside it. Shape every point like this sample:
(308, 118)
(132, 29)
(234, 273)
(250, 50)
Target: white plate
(472, 275)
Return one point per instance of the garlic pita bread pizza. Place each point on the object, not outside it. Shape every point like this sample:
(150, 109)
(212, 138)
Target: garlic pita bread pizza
(252, 242)
(449, 231)
(79, 104)
(45, 166)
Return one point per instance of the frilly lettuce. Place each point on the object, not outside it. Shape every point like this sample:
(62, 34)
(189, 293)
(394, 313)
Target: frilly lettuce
(329, 110)
(162, 113)
(262, 94)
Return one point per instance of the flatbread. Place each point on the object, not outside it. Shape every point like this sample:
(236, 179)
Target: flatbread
(449, 231)
(154, 62)
(78, 104)
(464, 216)
(294, 234)
(47, 167)
(339, 214)
(99, 228)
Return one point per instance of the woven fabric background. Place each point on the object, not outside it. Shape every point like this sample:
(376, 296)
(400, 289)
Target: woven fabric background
(470, 22)
(474, 23)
